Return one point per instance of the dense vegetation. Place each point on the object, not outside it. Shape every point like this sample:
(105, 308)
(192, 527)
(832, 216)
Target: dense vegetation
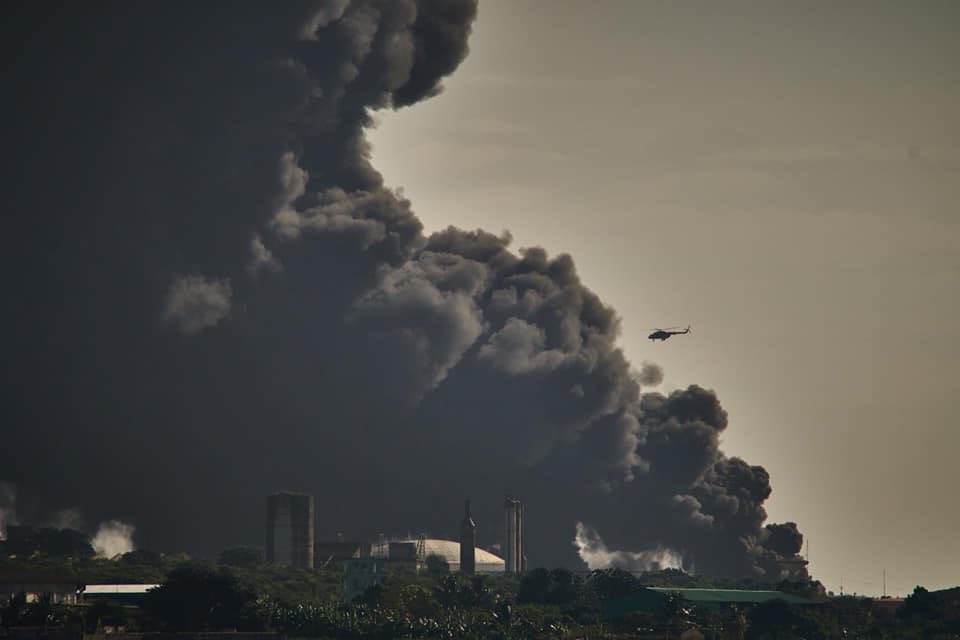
(242, 593)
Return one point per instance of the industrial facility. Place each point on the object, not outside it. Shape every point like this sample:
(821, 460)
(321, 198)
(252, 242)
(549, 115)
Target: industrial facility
(516, 559)
(468, 542)
(409, 553)
(447, 550)
(291, 522)
(290, 534)
(331, 555)
(362, 572)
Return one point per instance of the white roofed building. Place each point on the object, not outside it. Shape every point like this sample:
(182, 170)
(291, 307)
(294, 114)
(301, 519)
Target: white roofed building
(120, 593)
(449, 550)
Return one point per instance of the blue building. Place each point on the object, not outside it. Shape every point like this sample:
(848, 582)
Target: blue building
(359, 574)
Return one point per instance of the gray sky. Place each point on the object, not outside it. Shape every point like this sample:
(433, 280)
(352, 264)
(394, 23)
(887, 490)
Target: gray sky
(784, 177)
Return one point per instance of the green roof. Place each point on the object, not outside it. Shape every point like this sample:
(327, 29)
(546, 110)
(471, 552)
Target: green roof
(650, 599)
(723, 596)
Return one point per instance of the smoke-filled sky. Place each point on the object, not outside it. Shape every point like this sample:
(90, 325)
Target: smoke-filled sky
(785, 177)
(215, 290)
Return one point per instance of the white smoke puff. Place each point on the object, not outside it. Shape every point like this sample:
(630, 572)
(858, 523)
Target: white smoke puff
(262, 258)
(595, 553)
(113, 538)
(8, 503)
(293, 180)
(67, 519)
(195, 302)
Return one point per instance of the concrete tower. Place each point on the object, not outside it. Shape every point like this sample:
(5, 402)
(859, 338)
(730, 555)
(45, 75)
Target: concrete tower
(290, 530)
(515, 560)
(468, 542)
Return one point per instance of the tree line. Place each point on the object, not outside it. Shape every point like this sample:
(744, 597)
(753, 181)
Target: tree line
(242, 593)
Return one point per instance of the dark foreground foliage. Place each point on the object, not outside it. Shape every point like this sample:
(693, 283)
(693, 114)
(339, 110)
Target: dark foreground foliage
(241, 593)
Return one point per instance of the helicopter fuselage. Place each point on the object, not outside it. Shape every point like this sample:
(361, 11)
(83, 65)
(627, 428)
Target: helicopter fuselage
(663, 334)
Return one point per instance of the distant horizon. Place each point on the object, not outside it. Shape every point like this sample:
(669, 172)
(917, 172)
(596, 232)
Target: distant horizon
(492, 548)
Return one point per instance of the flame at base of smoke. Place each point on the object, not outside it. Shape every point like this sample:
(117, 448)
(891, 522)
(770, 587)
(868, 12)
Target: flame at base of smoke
(595, 553)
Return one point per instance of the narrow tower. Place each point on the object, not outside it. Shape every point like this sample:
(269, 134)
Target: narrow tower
(468, 542)
(515, 560)
(290, 530)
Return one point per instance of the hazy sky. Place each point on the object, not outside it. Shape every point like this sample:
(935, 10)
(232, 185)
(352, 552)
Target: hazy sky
(784, 176)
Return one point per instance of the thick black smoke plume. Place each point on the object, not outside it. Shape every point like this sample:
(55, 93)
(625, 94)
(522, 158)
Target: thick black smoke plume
(211, 295)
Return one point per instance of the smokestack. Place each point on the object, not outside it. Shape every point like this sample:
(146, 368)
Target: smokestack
(515, 560)
(468, 542)
(290, 530)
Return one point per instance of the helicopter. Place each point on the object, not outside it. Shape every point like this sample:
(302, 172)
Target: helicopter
(663, 334)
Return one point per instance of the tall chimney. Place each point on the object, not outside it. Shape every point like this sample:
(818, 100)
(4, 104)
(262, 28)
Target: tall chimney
(515, 561)
(468, 542)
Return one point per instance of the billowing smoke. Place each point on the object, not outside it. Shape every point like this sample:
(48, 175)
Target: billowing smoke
(214, 295)
(650, 375)
(195, 303)
(595, 554)
(785, 539)
(70, 518)
(113, 538)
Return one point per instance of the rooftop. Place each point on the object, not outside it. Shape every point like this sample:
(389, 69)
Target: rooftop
(449, 550)
(731, 595)
(653, 598)
(117, 589)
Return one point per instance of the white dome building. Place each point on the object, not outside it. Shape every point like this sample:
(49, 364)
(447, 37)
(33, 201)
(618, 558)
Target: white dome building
(449, 550)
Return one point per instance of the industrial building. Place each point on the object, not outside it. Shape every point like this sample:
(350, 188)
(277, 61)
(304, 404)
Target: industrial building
(54, 586)
(468, 542)
(413, 552)
(398, 555)
(515, 559)
(385, 557)
(359, 574)
(290, 534)
(290, 530)
(128, 594)
(332, 555)
(793, 568)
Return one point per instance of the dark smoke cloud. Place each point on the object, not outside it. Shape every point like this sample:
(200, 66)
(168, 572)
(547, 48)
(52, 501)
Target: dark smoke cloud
(785, 539)
(650, 375)
(213, 296)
